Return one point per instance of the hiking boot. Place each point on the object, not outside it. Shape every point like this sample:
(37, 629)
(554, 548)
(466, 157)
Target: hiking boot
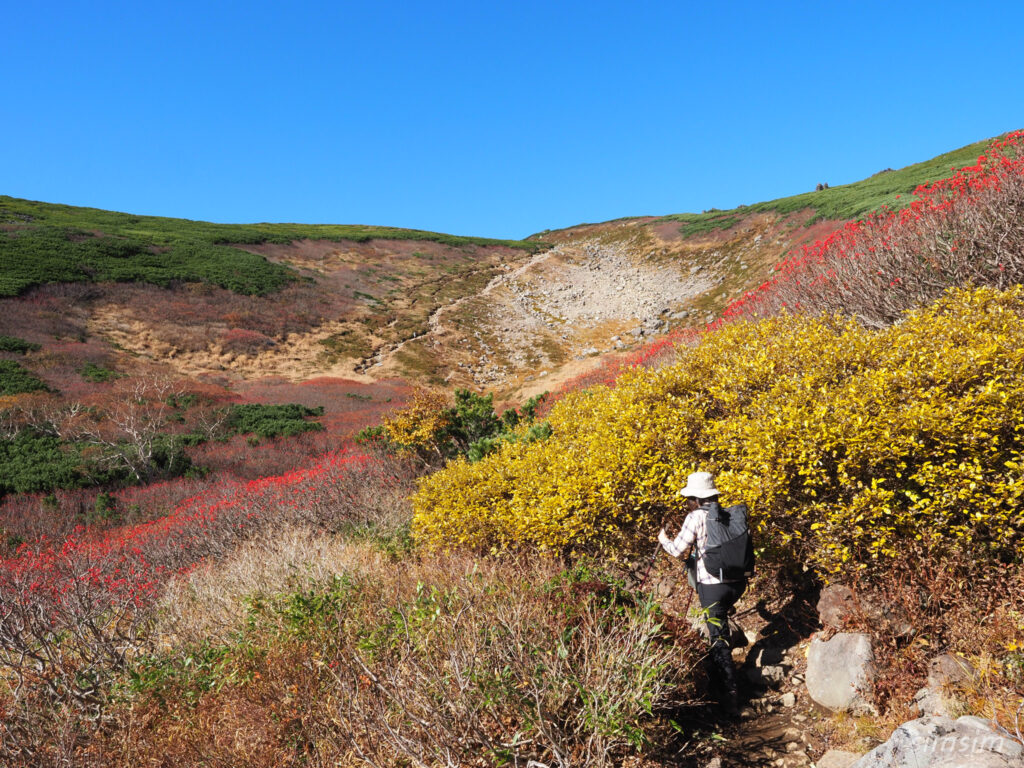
(731, 704)
(721, 655)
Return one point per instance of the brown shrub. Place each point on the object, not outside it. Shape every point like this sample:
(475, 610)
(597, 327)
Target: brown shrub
(451, 661)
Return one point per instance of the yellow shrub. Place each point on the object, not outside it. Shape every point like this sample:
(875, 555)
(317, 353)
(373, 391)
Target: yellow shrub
(849, 445)
(418, 424)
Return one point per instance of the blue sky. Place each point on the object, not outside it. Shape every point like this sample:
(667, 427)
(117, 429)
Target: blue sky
(477, 118)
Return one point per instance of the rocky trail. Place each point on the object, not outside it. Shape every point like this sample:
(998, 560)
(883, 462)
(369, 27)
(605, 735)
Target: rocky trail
(805, 685)
(554, 316)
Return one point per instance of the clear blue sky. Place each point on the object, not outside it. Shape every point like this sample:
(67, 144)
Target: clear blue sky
(484, 118)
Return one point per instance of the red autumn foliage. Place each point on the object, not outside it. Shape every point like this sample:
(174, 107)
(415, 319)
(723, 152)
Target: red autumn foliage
(961, 230)
(73, 610)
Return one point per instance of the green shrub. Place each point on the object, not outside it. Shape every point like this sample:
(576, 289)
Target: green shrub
(97, 373)
(890, 188)
(33, 463)
(58, 243)
(272, 420)
(15, 380)
(14, 344)
(434, 430)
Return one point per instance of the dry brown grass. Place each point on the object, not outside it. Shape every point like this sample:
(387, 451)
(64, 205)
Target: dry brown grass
(211, 602)
(333, 653)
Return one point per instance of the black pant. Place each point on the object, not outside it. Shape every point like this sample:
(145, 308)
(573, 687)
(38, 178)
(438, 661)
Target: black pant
(717, 600)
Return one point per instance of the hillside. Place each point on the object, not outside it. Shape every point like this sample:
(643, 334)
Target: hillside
(208, 569)
(235, 304)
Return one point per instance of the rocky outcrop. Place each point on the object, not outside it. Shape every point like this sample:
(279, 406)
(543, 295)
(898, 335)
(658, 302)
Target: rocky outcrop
(945, 674)
(841, 672)
(839, 607)
(939, 742)
(837, 758)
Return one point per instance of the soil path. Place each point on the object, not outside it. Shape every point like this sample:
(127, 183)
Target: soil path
(777, 725)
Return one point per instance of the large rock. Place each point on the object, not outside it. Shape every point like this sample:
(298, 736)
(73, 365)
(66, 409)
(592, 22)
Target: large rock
(939, 742)
(841, 672)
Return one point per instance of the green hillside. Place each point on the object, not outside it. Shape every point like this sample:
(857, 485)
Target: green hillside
(842, 203)
(44, 243)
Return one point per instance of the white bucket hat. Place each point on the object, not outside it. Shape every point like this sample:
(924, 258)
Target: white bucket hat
(700, 485)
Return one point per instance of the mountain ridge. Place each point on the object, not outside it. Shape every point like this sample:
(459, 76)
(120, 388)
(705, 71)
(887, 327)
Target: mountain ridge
(239, 302)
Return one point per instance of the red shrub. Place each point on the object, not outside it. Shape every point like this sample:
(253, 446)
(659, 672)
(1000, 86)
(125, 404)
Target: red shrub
(961, 230)
(73, 610)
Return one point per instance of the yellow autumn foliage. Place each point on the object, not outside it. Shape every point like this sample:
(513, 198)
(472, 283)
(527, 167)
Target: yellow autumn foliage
(849, 445)
(419, 422)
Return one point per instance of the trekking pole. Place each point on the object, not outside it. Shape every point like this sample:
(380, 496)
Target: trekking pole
(650, 566)
(689, 599)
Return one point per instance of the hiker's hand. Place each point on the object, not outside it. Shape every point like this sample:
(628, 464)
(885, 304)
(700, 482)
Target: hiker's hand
(663, 538)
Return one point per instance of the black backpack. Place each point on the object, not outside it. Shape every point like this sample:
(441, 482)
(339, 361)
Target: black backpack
(729, 554)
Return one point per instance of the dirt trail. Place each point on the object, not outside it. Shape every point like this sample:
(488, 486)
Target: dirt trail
(777, 727)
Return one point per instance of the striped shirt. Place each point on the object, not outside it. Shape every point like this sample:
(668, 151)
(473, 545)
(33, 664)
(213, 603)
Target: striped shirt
(694, 531)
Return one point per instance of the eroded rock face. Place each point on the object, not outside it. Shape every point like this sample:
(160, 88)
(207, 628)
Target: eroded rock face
(841, 672)
(839, 606)
(836, 606)
(945, 674)
(939, 742)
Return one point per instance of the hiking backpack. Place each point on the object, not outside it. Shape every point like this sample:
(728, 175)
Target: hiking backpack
(729, 554)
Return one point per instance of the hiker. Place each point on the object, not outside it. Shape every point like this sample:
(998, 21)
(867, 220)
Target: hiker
(730, 561)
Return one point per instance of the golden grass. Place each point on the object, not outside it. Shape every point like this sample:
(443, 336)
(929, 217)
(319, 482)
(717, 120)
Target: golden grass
(210, 603)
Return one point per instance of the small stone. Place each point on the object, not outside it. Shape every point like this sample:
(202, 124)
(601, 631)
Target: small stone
(773, 675)
(788, 700)
(792, 746)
